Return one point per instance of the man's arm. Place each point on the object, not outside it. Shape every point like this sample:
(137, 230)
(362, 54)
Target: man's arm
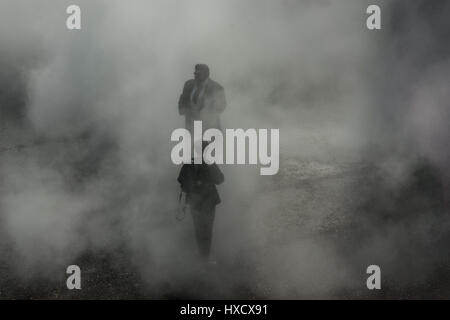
(215, 174)
(220, 101)
(185, 178)
(183, 102)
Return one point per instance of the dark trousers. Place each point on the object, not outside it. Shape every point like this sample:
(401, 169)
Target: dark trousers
(203, 216)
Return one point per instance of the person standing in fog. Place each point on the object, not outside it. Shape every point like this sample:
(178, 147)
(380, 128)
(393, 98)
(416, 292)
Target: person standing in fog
(202, 99)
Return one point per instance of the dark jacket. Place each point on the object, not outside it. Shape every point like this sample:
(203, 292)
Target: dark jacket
(199, 182)
(211, 104)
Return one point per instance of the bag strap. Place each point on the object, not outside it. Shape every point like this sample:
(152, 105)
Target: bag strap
(179, 216)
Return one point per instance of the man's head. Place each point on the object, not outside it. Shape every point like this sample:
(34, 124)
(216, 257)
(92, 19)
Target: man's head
(201, 72)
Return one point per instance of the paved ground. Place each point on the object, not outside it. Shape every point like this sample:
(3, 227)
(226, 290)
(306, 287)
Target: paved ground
(316, 227)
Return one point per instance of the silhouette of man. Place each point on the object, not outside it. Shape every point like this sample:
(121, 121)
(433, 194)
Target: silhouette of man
(199, 182)
(202, 99)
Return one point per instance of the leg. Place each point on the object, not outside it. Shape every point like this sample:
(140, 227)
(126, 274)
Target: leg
(203, 218)
(208, 216)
